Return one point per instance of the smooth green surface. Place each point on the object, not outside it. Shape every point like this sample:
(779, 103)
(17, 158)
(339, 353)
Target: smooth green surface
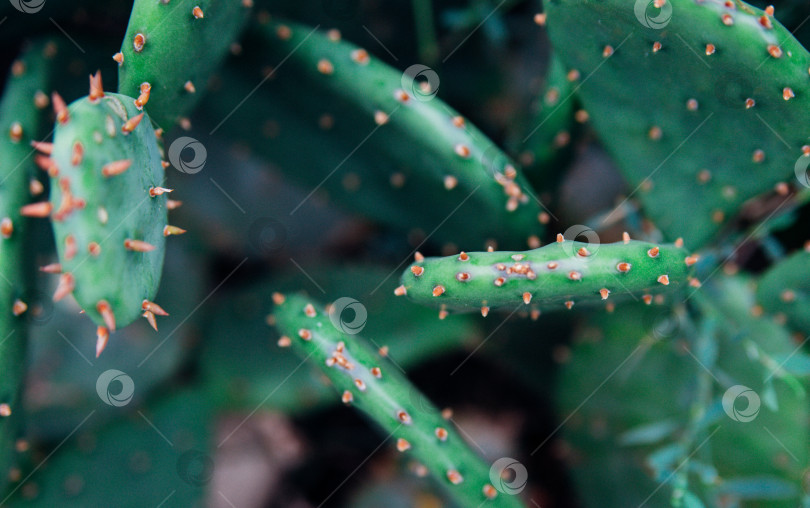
(636, 90)
(122, 277)
(178, 48)
(384, 398)
(552, 275)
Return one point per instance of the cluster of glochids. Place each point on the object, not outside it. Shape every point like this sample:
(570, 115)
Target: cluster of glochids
(550, 277)
(110, 258)
(369, 382)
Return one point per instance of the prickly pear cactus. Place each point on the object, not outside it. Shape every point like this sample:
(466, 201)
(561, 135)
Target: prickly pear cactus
(21, 119)
(385, 140)
(171, 49)
(548, 130)
(242, 370)
(373, 385)
(681, 75)
(166, 446)
(784, 291)
(552, 277)
(108, 207)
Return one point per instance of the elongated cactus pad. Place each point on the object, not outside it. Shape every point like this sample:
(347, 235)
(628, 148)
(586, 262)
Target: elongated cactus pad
(171, 49)
(703, 104)
(550, 277)
(548, 130)
(376, 387)
(384, 141)
(108, 207)
(784, 290)
(20, 120)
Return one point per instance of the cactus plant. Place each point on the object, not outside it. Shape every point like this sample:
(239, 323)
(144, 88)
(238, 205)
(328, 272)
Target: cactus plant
(557, 275)
(335, 143)
(21, 119)
(374, 386)
(783, 291)
(108, 207)
(700, 66)
(171, 50)
(456, 169)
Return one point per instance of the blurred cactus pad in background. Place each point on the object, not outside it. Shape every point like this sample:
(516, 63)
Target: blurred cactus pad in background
(415, 253)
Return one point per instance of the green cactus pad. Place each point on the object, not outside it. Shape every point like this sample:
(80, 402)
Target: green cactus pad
(241, 370)
(21, 119)
(160, 456)
(376, 387)
(383, 143)
(109, 228)
(703, 110)
(548, 130)
(784, 291)
(175, 47)
(555, 276)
